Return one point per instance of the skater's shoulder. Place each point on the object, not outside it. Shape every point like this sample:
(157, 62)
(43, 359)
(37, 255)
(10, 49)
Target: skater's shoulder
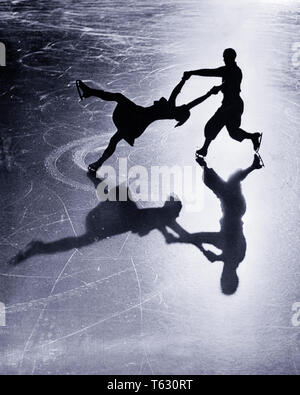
(233, 67)
(238, 69)
(234, 71)
(221, 69)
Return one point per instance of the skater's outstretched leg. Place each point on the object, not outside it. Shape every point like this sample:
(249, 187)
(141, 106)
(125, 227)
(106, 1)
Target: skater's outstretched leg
(239, 134)
(203, 151)
(114, 141)
(38, 247)
(86, 92)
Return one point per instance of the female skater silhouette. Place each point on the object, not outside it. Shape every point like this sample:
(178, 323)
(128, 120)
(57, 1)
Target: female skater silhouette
(108, 219)
(132, 120)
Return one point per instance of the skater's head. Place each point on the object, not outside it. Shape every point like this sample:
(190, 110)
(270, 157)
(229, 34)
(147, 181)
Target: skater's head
(174, 205)
(161, 102)
(229, 280)
(171, 209)
(182, 114)
(229, 56)
(156, 218)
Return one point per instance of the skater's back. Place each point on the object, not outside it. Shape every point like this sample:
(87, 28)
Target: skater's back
(231, 78)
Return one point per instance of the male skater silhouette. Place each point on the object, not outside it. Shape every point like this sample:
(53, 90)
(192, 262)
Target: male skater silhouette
(230, 239)
(132, 120)
(231, 110)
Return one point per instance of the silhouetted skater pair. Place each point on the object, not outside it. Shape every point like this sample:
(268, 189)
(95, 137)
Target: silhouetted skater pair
(132, 120)
(113, 218)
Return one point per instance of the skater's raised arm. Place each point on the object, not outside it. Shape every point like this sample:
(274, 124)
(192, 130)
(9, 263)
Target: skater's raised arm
(211, 256)
(176, 91)
(182, 237)
(197, 101)
(219, 72)
(179, 229)
(214, 91)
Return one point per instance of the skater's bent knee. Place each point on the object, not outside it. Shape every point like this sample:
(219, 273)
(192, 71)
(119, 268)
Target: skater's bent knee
(119, 97)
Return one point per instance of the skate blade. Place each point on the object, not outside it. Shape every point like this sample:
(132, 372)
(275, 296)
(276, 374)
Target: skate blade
(91, 169)
(259, 143)
(261, 159)
(92, 172)
(200, 160)
(78, 90)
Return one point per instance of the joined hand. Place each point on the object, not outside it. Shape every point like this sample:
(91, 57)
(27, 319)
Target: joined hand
(186, 75)
(170, 238)
(214, 90)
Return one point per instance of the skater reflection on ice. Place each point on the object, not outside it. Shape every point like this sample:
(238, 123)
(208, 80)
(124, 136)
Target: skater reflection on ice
(132, 120)
(110, 218)
(230, 239)
(232, 108)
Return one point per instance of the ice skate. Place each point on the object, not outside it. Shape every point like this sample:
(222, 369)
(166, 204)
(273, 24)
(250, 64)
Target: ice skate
(257, 141)
(82, 90)
(33, 246)
(258, 162)
(201, 153)
(93, 167)
(201, 161)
